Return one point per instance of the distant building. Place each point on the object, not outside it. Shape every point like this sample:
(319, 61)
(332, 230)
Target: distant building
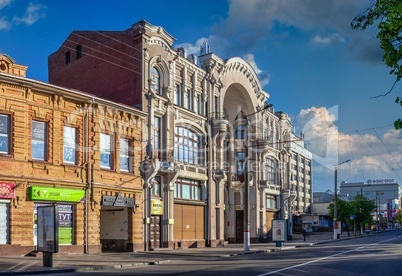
(386, 193)
(301, 175)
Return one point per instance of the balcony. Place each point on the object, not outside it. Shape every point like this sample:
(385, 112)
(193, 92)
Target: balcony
(219, 121)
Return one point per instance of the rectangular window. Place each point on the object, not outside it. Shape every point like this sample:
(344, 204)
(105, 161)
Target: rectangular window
(177, 95)
(271, 202)
(106, 151)
(39, 138)
(186, 99)
(78, 51)
(4, 134)
(156, 186)
(188, 147)
(190, 98)
(124, 152)
(69, 144)
(187, 189)
(240, 161)
(67, 57)
(156, 137)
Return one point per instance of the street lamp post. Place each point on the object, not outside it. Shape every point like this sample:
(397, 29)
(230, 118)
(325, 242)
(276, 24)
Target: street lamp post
(336, 230)
(246, 235)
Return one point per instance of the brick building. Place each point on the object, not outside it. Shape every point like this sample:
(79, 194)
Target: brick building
(69, 148)
(206, 117)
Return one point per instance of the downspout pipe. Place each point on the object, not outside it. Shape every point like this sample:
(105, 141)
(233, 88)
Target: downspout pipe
(88, 192)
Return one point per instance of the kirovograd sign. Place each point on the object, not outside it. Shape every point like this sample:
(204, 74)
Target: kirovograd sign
(56, 194)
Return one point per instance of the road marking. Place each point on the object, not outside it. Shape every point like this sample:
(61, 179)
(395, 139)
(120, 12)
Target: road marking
(324, 258)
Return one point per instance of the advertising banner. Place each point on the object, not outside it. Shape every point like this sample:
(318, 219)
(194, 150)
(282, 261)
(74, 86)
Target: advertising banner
(56, 194)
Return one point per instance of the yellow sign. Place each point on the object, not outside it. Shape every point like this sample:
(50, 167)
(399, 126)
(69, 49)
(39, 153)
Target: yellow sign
(156, 207)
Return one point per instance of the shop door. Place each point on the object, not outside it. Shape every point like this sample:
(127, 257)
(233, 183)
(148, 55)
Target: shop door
(155, 231)
(239, 226)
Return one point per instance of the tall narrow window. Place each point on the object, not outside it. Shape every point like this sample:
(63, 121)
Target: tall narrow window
(240, 132)
(124, 152)
(271, 171)
(190, 99)
(67, 57)
(155, 80)
(186, 99)
(39, 140)
(177, 94)
(240, 162)
(69, 145)
(4, 134)
(156, 186)
(156, 137)
(106, 151)
(78, 51)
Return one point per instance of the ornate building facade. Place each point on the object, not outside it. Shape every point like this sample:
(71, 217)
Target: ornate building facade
(69, 148)
(206, 117)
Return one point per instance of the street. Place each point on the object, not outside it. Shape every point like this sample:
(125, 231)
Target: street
(369, 255)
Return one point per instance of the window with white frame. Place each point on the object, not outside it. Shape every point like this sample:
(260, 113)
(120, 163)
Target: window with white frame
(188, 147)
(187, 189)
(39, 140)
(5, 134)
(106, 151)
(155, 80)
(271, 170)
(69, 144)
(271, 202)
(124, 152)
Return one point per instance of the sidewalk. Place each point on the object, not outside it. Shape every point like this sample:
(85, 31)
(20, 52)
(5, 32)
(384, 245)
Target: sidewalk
(87, 262)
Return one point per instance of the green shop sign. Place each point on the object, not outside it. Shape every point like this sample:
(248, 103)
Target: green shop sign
(56, 194)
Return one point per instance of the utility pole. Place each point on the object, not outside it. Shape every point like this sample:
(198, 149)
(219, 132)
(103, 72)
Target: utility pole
(246, 235)
(336, 230)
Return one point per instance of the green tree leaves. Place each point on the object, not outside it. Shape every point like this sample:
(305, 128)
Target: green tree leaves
(387, 15)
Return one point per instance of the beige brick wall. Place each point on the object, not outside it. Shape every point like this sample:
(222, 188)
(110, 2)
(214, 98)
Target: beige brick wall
(56, 108)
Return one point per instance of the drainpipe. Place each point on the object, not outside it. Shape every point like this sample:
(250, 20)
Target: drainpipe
(88, 191)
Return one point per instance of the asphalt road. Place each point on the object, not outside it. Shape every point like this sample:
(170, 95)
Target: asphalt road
(372, 255)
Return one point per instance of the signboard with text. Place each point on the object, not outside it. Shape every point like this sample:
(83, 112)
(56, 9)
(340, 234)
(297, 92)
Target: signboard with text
(56, 194)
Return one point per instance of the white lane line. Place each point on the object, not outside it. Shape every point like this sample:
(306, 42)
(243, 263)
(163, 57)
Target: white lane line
(324, 258)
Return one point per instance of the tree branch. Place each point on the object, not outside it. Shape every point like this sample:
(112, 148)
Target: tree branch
(383, 95)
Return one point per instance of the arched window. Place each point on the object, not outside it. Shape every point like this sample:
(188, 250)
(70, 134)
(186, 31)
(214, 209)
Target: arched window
(271, 171)
(156, 80)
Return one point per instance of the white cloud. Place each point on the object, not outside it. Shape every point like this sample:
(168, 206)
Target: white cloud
(329, 40)
(373, 156)
(33, 13)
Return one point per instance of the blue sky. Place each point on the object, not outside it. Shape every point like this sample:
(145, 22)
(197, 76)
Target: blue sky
(313, 65)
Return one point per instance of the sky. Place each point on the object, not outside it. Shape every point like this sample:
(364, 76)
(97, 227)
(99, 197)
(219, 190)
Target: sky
(315, 68)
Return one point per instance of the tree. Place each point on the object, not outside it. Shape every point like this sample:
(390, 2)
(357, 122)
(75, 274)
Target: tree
(363, 209)
(344, 212)
(398, 216)
(387, 16)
